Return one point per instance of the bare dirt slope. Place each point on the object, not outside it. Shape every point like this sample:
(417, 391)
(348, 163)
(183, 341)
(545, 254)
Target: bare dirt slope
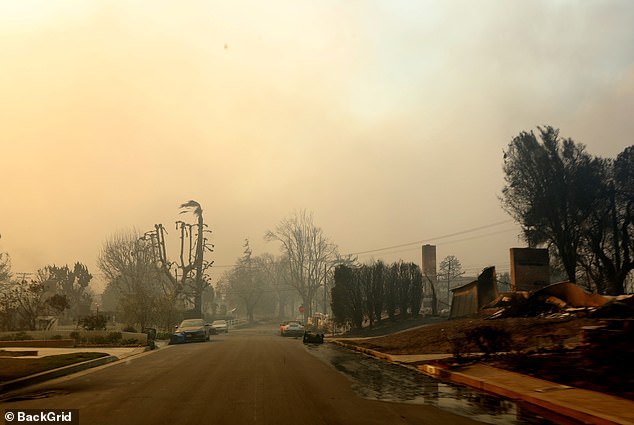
(439, 337)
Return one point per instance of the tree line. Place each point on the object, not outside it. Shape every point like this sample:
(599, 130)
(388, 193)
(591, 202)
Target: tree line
(370, 292)
(258, 285)
(297, 277)
(145, 287)
(56, 292)
(578, 205)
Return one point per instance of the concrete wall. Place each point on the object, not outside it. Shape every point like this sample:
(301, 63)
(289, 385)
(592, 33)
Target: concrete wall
(530, 269)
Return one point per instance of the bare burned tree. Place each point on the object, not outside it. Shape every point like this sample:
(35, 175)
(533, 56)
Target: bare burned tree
(192, 254)
(187, 276)
(170, 285)
(309, 254)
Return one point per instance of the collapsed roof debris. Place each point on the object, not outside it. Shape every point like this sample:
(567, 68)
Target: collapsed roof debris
(563, 298)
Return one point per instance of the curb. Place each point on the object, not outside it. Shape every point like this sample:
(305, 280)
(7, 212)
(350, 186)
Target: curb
(578, 413)
(368, 351)
(575, 412)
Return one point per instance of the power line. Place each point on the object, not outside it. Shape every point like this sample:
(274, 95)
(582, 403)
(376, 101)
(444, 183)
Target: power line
(451, 242)
(477, 237)
(462, 232)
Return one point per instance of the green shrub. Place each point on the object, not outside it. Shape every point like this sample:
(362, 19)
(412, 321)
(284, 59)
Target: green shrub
(98, 339)
(18, 336)
(94, 322)
(75, 335)
(129, 328)
(113, 337)
(57, 337)
(163, 335)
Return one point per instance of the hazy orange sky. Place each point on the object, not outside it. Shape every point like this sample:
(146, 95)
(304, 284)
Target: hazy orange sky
(387, 120)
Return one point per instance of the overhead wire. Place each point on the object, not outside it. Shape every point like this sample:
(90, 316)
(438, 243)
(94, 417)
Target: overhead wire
(462, 232)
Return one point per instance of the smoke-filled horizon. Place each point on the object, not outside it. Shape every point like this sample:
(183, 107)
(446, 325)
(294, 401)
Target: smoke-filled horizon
(387, 121)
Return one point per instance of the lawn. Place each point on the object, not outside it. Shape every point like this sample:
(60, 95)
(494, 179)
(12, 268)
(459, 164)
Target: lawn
(13, 368)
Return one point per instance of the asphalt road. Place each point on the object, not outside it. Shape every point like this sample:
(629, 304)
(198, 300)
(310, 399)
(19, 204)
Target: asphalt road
(245, 377)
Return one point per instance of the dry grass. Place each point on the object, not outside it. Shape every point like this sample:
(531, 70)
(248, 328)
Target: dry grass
(437, 338)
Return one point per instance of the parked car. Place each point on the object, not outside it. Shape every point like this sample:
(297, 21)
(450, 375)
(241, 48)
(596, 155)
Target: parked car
(191, 330)
(220, 326)
(292, 329)
(313, 338)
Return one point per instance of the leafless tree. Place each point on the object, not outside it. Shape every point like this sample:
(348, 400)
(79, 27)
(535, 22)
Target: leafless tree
(171, 287)
(277, 274)
(450, 269)
(187, 276)
(5, 267)
(192, 253)
(309, 254)
(127, 262)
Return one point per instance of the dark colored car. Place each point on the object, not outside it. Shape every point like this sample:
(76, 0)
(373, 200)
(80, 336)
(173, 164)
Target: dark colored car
(191, 330)
(313, 338)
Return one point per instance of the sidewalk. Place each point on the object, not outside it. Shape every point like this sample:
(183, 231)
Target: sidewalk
(582, 405)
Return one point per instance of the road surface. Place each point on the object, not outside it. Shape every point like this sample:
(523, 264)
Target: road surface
(245, 377)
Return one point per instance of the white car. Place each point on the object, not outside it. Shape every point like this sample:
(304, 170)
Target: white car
(292, 329)
(220, 326)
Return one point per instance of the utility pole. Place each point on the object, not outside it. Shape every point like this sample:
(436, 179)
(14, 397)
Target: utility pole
(448, 280)
(325, 287)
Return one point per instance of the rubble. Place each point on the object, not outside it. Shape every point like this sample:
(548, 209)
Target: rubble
(561, 299)
(472, 297)
(621, 307)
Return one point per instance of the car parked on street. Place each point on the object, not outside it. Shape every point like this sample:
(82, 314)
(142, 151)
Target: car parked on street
(292, 328)
(220, 326)
(191, 330)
